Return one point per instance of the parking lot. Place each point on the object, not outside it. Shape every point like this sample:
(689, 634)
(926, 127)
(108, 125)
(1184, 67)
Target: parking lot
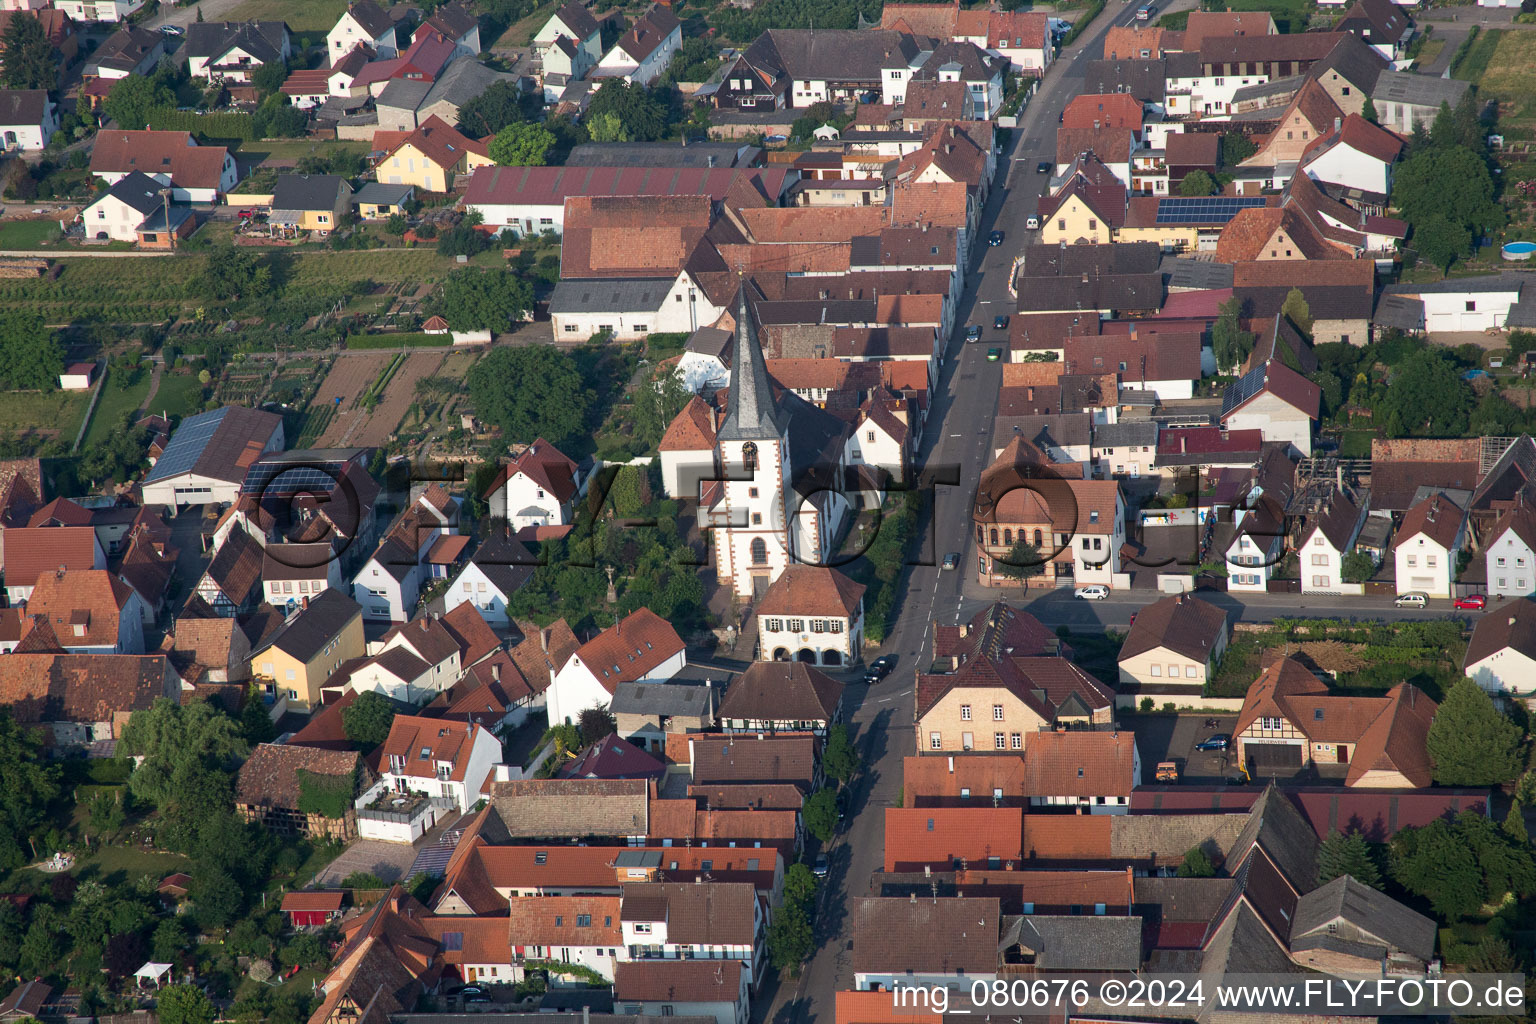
(1173, 738)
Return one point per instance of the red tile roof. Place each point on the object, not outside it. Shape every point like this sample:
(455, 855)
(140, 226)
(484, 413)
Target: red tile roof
(918, 837)
(812, 590)
(84, 606)
(939, 781)
(545, 465)
(1080, 763)
(32, 551)
(628, 651)
(154, 152)
(441, 738)
(1109, 110)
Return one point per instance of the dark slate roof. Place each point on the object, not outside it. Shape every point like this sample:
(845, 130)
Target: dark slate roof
(609, 295)
(261, 39)
(1076, 943)
(23, 106)
(1146, 80)
(505, 561)
(1418, 90)
(663, 699)
(308, 191)
(839, 55)
(751, 412)
(138, 191)
(661, 154)
(377, 193)
(307, 633)
(1195, 275)
(1373, 912)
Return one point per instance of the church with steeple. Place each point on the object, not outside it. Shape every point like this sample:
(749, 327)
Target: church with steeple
(779, 492)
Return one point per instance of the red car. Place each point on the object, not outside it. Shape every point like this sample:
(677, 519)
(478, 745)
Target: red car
(1473, 602)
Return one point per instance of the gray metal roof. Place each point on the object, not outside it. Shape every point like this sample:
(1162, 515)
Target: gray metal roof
(1126, 432)
(1404, 312)
(618, 295)
(1374, 913)
(377, 193)
(308, 191)
(661, 699)
(1418, 90)
(660, 154)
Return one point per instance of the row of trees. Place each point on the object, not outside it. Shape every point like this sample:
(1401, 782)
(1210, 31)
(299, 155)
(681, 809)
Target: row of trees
(1444, 188)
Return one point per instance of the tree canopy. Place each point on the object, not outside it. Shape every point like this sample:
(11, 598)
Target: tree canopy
(1461, 865)
(233, 274)
(820, 814)
(30, 783)
(1445, 191)
(530, 392)
(1198, 183)
(1428, 398)
(133, 99)
(473, 299)
(1472, 742)
(522, 145)
(657, 403)
(642, 117)
(502, 104)
(367, 719)
(30, 61)
(1229, 342)
(1347, 854)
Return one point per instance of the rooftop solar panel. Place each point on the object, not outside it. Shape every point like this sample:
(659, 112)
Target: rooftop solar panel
(1204, 209)
(1242, 389)
(187, 444)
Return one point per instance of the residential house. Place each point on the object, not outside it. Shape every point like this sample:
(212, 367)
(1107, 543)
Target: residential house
(643, 647)
(438, 757)
(1088, 205)
(271, 785)
(431, 156)
(208, 455)
(130, 50)
(930, 839)
(1312, 114)
(1090, 772)
(1328, 536)
(497, 569)
(1076, 526)
(687, 450)
(1346, 927)
(80, 699)
(118, 212)
(1357, 155)
(405, 103)
(33, 552)
(584, 930)
(309, 647)
(1405, 100)
(1428, 546)
(685, 988)
(196, 174)
(704, 921)
(310, 202)
(1172, 649)
(980, 72)
(376, 201)
(1290, 721)
(762, 760)
(312, 568)
(1026, 696)
(25, 1002)
(456, 23)
(1510, 552)
(570, 42)
(536, 488)
(811, 614)
(949, 943)
(643, 52)
(231, 51)
(1340, 293)
(28, 119)
(1501, 656)
(964, 780)
(92, 611)
(1023, 37)
(1276, 400)
(1127, 449)
(646, 713)
(231, 585)
(363, 23)
(80, 11)
(837, 64)
(1256, 542)
(781, 697)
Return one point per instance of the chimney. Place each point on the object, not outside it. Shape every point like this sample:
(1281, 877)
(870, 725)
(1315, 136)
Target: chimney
(544, 639)
(1337, 123)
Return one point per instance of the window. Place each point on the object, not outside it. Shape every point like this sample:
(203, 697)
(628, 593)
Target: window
(1317, 714)
(1173, 671)
(965, 792)
(1430, 561)
(1271, 724)
(999, 741)
(967, 741)
(1190, 672)
(585, 920)
(1319, 559)
(1157, 671)
(997, 712)
(759, 551)
(935, 741)
(1016, 740)
(1500, 561)
(1471, 305)
(1320, 581)
(965, 712)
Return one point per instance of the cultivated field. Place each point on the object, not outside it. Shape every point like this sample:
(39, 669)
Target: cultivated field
(398, 397)
(350, 377)
(311, 16)
(354, 376)
(1511, 75)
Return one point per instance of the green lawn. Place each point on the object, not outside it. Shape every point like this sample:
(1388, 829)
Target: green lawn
(301, 15)
(1478, 59)
(114, 402)
(1356, 444)
(114, 865)
(293, 149)
(1289, 15)
(1428, 53)
(1508, 72)
(50, 413)
(26, 234)
(179, 395)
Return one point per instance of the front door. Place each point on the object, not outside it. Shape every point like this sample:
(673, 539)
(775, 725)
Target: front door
(1343, 754)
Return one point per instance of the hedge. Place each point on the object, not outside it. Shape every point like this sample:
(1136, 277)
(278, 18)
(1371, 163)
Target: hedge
(367, 341)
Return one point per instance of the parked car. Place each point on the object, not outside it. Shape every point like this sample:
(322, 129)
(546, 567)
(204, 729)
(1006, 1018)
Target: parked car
(1033, 223)
(1473, 602)
(1145, 13)
(973, 332)
(171, 30)
(1220, 741)
(1413, 599)
(1167, 771)
(821, 865)
(1093, 592)
(1043, 167)
(879, 668)
(1000, 322)
(952, 560)
(995, 238)
(775, 138)
(994, 354)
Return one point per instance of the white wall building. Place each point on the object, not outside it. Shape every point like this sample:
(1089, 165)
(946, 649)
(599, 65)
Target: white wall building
(1427, 545)
(642, 648)
(1511, 554)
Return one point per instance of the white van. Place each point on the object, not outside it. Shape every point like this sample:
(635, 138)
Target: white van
(1416, 599)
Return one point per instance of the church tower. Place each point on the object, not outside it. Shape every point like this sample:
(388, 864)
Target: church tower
(752, 532)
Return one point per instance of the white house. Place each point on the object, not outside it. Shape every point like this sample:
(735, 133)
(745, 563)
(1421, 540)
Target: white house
(1463, 304)
(292, 574)
(719, 921)
(1275, 400)
(688, 450)
(880, 438)
(571, 42)
(1427, 545)
(495, 572)
(1511, 554)
(1023, 37)
(1501, 656)
(630, 308)
(1173, 647)
(683, 988)
(582, 930)
(705, 362)
(28, 119)
(1257, 545)
(642, 53)
(980, 72)
(642, 648)
(812, 614)
(536, 488)
(233, 50)
(437, 757)
(119, 211)
(1328, 537)
(363, 23)
(1357, 155)
(388, 583)
(98, 10)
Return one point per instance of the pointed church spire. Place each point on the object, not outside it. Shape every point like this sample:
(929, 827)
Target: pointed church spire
(750, 412)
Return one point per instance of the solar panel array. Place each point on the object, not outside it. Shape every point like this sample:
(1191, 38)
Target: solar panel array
(1242, 389)
(1204, 209)
(187, 444)
(278, 477)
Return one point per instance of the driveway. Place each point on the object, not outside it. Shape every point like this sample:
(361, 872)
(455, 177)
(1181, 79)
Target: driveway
(389, 861)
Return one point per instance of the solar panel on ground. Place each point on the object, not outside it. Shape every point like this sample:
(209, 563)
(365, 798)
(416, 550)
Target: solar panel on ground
(187, 444)
(1204, 209)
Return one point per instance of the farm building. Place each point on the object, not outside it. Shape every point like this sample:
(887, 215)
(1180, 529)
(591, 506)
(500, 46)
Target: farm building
(208, 455)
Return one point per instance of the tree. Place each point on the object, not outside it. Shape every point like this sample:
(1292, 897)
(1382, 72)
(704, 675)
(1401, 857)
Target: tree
(657, 403)
(1022, 562)
(1494, 416)
(176, 741)
(530, 392)
(367, 719)
(1514, 824)
(642, 117)
(1235, 148)
(184, 1004)
(216, 897)
(42, 948)
(134, 99)
(595, 724)
(1452, 181)
(305, 950)
(800, 886)
(125, 953)
(169, 940)
(1230, 343)
(277, 118)
(1441, 241)
(1428, 398)
(232, 274)
(30, 784)
(1297, 311)
(607, 127)
(790, 939)
(31, 358)
(363, 880)
(820, 814)
(1357, 567)
(473, 299)
(255, 724)
(1471, 742)
(395, 225)
(1460, 865)
(1197, 864)
(522, 145)
(1368, 111)
(269, 77)
(1198, 183)
(839, 759)
(1347, 854)
(105, 813)
(503, 103)
(30, 62)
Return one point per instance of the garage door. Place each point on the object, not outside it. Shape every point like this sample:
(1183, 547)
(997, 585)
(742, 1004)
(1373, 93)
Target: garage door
(1421, 582)
(1273, 755)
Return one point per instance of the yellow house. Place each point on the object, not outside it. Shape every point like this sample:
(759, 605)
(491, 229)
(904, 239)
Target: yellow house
(431, 156)
(302, 655)
(994, 704)
(309, 202)
(1141, 225)
(1070, 218)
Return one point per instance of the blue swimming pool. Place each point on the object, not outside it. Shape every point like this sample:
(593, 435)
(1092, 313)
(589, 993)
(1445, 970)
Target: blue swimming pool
(1519, 250)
